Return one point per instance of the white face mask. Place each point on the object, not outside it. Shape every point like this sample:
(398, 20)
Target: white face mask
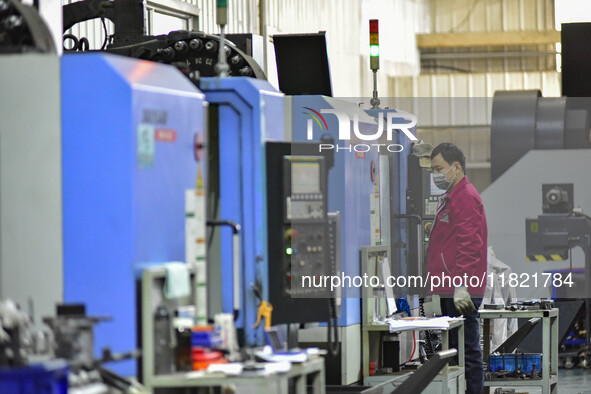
(441, 181)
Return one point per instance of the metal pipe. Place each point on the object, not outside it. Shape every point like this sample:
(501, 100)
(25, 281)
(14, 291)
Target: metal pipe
(485, 55)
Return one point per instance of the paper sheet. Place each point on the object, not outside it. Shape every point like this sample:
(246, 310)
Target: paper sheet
(435, 323)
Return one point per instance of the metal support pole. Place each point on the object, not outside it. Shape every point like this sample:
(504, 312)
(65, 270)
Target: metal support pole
(375, 101)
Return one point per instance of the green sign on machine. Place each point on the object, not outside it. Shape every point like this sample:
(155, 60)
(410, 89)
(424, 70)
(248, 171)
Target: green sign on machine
(145, 145)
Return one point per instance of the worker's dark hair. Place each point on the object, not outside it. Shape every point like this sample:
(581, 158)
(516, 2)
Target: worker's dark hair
(450, 153)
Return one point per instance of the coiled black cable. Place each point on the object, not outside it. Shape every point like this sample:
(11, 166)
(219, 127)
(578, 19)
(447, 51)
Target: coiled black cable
(428, 343)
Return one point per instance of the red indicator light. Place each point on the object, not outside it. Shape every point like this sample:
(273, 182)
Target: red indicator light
(373, 26)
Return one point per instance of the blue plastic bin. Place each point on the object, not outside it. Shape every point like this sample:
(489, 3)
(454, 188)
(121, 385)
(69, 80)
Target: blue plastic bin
(503, 362)
(528, 360)
(208, 339)
(50, 377)
(525, 362)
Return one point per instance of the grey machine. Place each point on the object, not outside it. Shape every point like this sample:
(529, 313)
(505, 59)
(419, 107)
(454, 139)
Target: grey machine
(555, 232)
(545, 141)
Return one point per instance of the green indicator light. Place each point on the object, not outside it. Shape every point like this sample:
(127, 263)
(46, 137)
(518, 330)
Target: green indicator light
(289, 251)
(374, 50)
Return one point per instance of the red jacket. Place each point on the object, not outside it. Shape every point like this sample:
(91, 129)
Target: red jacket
(458, 240)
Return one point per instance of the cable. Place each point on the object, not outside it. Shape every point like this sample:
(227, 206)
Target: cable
(83, 45)
(414, 345)
(428, 343)
(70, 37)
(333, 343)
(466, 18)
(106, 33)
(463, 70)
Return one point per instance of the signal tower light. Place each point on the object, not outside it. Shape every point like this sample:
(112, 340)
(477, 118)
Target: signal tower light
(374, 45)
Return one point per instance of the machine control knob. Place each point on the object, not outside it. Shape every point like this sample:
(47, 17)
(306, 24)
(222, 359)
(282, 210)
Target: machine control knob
(181, 46)
(12, 22)
(246, 71)
(211, 46)
(167, 53)
(196, 44)
(236, 60)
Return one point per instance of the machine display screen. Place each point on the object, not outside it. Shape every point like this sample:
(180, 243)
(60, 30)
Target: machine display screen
(305, 177)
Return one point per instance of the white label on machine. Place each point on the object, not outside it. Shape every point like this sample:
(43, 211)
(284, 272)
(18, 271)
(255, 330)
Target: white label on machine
(374, 219)
(195, 248)
(390, 300)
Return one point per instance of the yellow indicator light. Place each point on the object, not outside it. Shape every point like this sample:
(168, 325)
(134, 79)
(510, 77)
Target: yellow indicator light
(374, 39)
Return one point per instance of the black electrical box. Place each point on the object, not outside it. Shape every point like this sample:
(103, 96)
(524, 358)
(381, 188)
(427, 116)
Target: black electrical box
(422, 197)
(302, 64)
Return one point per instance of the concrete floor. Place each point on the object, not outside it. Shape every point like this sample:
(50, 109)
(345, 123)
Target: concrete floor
(570, 381)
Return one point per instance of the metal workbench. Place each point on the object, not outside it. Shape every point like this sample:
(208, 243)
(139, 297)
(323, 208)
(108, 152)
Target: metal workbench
(549, 381)
(295, 381)
(450, 380)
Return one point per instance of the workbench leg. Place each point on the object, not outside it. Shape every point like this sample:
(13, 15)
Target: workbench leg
(546, 355)
(554, 349)
(365, 350)
(486, 346)
(283, 384)
(445, 370)
(300, 384)
(318, 384)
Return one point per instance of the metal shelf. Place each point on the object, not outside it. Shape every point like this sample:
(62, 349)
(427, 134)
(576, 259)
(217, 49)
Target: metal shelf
(520, 382)
(549, 381)
(450, 379)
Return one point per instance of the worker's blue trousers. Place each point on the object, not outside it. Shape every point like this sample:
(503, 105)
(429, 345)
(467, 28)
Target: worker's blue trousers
(474, 366)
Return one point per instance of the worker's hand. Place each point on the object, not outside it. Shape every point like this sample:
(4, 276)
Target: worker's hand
(462, 301)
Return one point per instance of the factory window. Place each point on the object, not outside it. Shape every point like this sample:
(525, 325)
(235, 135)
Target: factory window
(164, 16)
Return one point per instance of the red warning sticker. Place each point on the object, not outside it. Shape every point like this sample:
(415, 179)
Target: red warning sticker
(165, 135)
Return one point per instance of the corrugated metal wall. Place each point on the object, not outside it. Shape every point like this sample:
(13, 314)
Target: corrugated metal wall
(243, 16)
(491, 15)
(457, 108)
(461, 16)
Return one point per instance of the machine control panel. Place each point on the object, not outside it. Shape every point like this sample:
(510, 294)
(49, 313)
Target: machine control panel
(304, 222)
(299, 240)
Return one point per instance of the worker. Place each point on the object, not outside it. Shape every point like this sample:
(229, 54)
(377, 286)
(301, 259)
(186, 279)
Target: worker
(457, 254)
